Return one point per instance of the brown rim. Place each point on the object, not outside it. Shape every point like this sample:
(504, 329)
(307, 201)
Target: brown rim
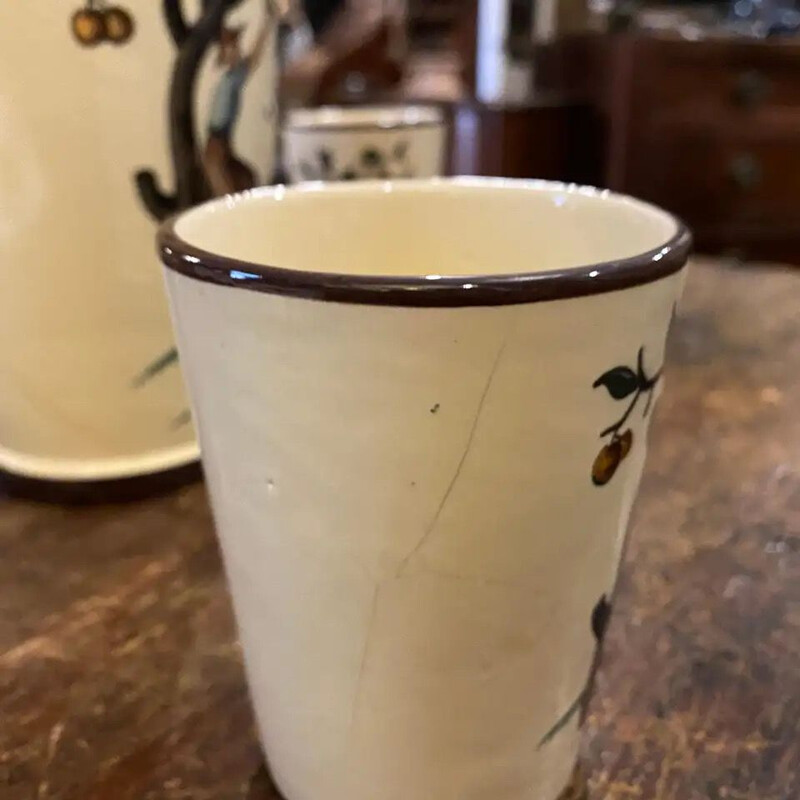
(369, 128)
(422, 291)
(98, 492)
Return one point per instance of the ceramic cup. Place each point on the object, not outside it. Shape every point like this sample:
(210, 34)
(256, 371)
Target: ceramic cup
(354, 143)
(423, 428)
(113, 115)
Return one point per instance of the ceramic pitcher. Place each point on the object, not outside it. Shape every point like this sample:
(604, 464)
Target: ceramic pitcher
(112, 116)
(423, 429)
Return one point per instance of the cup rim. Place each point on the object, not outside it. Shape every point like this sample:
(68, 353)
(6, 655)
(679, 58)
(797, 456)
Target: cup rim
(424, 290)
(349, 119)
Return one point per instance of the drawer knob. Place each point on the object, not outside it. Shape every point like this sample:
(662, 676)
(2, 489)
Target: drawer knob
(745, 171)
(751, 89)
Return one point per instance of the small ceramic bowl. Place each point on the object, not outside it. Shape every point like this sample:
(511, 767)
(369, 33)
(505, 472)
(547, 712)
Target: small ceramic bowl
(334, 143)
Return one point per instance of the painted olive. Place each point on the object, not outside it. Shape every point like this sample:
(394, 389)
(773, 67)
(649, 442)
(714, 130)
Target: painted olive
(606, 463)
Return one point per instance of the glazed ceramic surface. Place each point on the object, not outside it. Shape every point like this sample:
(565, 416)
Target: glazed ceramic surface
(423, 430)
(344, 143)
(91, 158)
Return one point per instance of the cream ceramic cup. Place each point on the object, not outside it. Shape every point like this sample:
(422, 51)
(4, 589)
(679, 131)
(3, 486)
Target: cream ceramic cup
(362, 142)
(423, 428)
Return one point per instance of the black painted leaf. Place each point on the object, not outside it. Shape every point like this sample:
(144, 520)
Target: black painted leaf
(600, 617)
(620, 382)
(371, 157)
(348, 175)
(325, 159)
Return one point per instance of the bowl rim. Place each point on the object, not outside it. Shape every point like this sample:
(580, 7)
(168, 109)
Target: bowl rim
(423, 290)
(427, 116)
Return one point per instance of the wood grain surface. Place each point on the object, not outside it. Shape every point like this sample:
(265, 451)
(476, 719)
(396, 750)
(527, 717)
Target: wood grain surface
(120, 678)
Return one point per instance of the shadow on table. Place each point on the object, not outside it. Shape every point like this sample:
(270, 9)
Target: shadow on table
(262, 787)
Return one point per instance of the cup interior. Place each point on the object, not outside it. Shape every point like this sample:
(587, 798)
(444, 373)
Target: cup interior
(428, 228)
(362, 117)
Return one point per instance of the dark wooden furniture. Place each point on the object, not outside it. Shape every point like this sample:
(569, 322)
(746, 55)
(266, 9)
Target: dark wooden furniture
(369, 58)
(431, 23)
(120, 678)
(709, 129)
(547, 136)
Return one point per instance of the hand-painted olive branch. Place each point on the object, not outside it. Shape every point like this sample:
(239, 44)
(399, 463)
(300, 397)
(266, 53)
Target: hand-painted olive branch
(599, 623)
(99, 22)
(622, 382)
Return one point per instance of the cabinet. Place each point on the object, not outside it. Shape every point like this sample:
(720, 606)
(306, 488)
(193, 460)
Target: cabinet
(708, 129)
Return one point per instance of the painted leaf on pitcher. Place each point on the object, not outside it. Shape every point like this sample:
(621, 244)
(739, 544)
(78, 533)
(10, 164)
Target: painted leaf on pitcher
(620, 382)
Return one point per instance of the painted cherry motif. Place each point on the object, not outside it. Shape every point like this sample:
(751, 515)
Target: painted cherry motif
(621, 382)
(87, 25)
(97, 22)
(118, 24)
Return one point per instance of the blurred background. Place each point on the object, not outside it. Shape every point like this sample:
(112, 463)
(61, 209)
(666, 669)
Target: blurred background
(692, 105)
(121, 676)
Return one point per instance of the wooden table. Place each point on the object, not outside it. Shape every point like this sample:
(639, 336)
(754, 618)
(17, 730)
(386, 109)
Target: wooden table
(120, 678)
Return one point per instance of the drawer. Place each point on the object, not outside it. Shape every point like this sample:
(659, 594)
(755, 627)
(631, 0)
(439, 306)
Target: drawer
(779, 244)
(729, 78)
(716, 177)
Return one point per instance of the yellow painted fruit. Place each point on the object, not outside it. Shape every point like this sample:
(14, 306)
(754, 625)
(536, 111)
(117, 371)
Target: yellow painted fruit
(88, 27)
(606, 463)
(118, 25)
